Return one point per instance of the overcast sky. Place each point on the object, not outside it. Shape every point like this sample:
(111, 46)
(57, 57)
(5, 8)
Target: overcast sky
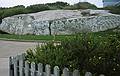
(10, 3)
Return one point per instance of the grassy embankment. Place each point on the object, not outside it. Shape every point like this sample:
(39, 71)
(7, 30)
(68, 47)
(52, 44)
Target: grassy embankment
(32, 37)
(13, 37)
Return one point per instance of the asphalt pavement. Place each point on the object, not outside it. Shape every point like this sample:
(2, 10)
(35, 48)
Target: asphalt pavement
(12, 48)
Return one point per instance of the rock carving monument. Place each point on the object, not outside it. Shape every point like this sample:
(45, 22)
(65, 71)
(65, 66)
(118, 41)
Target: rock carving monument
(60, 22)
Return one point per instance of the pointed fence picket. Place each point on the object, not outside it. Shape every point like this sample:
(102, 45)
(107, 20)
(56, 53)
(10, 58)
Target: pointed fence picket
(18, 66)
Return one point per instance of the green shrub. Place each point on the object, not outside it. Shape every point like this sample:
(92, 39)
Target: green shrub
(84, 5)
(37, 8)
(86, 52)
(81, 5)
(57, 5)
(5, 12)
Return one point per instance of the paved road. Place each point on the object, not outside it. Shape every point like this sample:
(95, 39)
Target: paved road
(11, 48)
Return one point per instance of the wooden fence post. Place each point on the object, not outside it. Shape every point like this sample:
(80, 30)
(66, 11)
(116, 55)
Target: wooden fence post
(33, 69)
(76, 73)
(88, 74)
(27, 69)
(21, 62)
(15, 70)
(56, 71)
(65, 72)
(40, 69)
(11, 67)
(15, 66)
(48, 70)
(23, 56)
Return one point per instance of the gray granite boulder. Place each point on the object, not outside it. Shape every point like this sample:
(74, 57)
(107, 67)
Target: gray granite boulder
(19, 24)
(85, 24)
(59, 22)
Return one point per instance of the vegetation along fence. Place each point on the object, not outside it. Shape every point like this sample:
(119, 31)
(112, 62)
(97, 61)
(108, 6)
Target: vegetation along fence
(19, 67)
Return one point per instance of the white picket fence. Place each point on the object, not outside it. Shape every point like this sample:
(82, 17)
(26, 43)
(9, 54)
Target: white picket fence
(19, 67)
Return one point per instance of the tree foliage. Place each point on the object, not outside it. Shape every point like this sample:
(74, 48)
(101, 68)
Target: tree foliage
(37, 8)
(84, 5)
(57, 5)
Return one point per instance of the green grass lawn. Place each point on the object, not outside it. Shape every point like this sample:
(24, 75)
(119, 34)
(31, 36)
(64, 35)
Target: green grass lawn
(32, 37)
(103, 34)
(44, 37)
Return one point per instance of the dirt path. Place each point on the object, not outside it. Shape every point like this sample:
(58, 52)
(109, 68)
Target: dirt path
(11, 48)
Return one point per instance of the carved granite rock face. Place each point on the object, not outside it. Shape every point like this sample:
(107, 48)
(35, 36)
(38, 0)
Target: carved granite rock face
(40, 27)
(59, 22)
(19, 24)
(85, 24)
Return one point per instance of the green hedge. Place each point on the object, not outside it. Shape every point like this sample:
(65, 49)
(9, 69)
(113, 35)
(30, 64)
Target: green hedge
(97, 53)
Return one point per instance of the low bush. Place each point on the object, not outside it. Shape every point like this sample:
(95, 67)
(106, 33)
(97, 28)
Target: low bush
(37, 8)
(86, 52)
(84, 5)
(81, 5)
(57, 5)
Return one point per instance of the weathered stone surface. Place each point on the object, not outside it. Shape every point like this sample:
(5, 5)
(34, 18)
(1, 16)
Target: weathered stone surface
(85, 24)
(40, 27)
(35, 23)
(59, 22)
(20, 24)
